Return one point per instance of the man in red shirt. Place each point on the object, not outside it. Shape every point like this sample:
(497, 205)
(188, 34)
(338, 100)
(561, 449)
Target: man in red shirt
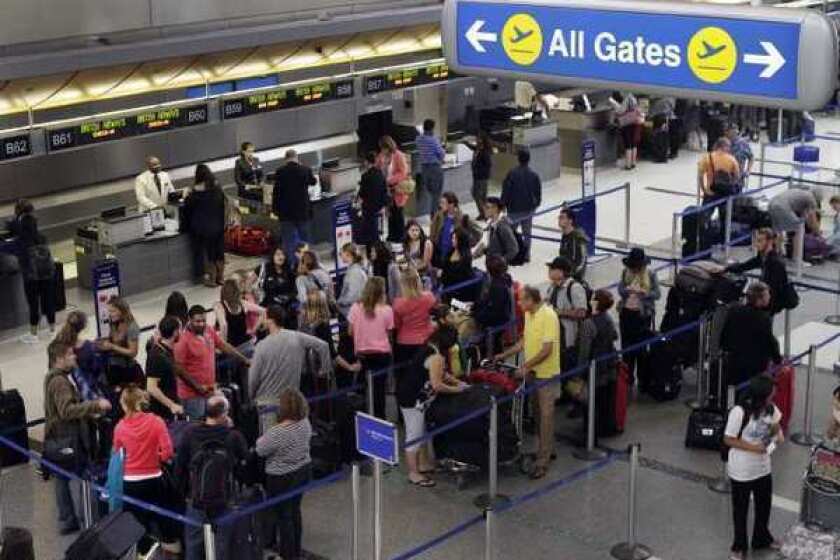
(195, 352)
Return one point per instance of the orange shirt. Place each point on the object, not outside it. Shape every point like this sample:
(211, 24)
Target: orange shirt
(718, 161)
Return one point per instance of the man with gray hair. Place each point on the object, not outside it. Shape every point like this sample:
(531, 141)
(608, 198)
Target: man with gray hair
(196, 456)
(747, 337)
(290, 201)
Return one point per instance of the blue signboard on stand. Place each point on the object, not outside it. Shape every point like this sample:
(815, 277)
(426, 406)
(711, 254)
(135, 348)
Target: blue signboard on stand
(377, 439)
(586, 212)
(106, 284)
(730, 53)
(343, 226)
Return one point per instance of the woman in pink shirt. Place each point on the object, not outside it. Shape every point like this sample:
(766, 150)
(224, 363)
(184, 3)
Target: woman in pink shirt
(394, 166)
(371, 321)
(412, 318)
(145, 440)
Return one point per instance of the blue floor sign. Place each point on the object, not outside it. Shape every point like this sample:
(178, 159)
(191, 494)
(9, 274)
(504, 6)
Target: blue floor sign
(599, 42)
(377, 439)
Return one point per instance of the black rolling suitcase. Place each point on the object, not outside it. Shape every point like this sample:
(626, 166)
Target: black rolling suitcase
(663, 372)
(705, 429)
(13, 427)
(16, 544)
(660, 144)
(60, 294)
(110, 539)
(248, 533)
(325, 448)
(696, 233)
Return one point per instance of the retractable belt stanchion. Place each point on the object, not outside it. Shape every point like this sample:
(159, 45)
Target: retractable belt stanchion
(675, 247)
(787, 334)
(835, 319)
(721, 485)
(699, 400)
(631, 550)
(727, 228)
(355, 480)
(209, 543)
(377, 484)
(590, 453)
(799, 249)
(87, 504)
(492, 499)
(626, 215)
(489, 521)
(806, 436)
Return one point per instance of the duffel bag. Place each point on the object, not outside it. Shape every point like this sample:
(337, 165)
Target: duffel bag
(251, 241)
(698, 278)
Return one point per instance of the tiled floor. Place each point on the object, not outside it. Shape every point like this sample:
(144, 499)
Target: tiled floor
(678, 517)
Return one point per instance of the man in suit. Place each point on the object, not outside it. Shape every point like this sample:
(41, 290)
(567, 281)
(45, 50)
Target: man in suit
(152, 187)
(290, 200)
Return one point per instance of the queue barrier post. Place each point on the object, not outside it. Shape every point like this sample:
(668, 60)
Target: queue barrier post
(787, 334)
(590, 453)
(799, 249)
(489, 530)
(631, 550)
(835, 318)
(699, 400)
(209, 542)
(377, 510)
(675, 246)
(492, 499)
(626, 215)
(727, 228)
(87, 504)
(355, 482)
(806, 437)
(721, 485)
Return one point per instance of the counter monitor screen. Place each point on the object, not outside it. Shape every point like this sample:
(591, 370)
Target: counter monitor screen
(116, 128)
(276, 100)
(13, 147)
(406, 78)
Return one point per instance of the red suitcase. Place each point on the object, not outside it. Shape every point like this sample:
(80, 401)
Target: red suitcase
(622, 385)
(247, 240)
(494, 377)
(783, 398)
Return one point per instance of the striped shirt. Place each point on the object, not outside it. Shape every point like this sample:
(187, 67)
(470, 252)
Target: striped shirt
(429, 150)
(286, 448)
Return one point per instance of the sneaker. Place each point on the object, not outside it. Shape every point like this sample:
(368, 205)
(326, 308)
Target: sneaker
(736, 555)
(29, 338)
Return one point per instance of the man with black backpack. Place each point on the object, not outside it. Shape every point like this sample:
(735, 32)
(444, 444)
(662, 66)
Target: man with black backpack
(574, 243)
(208, 462)
(499, 239)
(570, 298)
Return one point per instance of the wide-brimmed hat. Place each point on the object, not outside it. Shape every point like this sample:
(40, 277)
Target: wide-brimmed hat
(636, 258)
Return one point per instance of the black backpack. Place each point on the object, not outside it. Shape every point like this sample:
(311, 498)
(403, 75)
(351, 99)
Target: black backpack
(723, 184)
(211, 477)
(41, 264)
(521, 256)
(587, 290)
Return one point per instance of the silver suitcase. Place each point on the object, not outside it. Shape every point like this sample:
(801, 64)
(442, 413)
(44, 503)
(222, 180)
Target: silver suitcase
(820, 503)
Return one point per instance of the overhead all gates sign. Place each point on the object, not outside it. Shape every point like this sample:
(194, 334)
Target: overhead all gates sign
(761, 56)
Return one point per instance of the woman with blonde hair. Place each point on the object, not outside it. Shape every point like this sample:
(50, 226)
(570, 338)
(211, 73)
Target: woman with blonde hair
(371, 321)
(315, 318)
(412, 317)
(145, 440)
(639, 291)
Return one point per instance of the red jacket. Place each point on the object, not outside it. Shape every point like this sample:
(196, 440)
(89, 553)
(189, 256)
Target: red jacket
(146, 442)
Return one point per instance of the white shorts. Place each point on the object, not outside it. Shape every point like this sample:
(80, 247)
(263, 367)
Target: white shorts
(415, 425)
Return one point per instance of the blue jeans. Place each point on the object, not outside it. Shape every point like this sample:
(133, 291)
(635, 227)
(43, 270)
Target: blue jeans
(194, 538)
(525, 227)
(293, 233)
(64, 500)
(432, 175)
(195, 408)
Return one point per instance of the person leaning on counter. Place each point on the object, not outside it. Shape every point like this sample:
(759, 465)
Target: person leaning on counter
(153, 186)
(290, 200)
(248, 173)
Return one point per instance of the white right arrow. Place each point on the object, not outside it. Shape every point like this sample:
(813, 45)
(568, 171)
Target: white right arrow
(772, 61)
(475, 36)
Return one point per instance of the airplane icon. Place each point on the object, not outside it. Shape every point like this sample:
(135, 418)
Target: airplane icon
(710, 50)
(520, 35)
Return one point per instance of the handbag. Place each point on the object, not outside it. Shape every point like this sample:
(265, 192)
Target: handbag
(407, 186)
(64, 451)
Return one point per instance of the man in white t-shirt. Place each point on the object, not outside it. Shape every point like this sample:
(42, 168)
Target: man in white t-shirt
(751, 440)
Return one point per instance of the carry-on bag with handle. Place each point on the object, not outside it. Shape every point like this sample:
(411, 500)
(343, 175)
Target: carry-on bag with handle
(110, 539)
(820, 502)
(622, 387)
(783, 396)
(13, 426)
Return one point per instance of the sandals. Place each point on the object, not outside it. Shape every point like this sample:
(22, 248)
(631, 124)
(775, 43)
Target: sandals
(538, 472)
(423, 483)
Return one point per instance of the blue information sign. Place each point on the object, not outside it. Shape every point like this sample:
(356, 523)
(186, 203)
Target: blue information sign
(106, 284)
(669, 48)
(377, 439)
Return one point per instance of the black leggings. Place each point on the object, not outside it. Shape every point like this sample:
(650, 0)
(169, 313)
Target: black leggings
(762, 493)
(152, 491)
(376, 363)
(634, 328)
(40, 297)
(289, 519)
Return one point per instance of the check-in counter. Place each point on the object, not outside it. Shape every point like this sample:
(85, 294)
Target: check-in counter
(457, 178)
(540, 139)
(13, 309)
(575, 127)
(154, 261)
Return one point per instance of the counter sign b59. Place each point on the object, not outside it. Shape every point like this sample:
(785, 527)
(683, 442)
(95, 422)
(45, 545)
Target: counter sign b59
(235, 107)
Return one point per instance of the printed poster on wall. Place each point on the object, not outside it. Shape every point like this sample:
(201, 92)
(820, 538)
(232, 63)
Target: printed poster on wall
(106, 284)
(343, 225)
(587, 168)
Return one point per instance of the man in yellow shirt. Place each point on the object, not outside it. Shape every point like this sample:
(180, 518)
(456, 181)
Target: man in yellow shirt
(541, 344)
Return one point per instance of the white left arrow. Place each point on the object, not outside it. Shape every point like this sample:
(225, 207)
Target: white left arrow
(772, 61)
(475, 36)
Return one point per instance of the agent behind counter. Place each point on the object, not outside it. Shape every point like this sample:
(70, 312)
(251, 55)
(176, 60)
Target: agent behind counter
(153, 187)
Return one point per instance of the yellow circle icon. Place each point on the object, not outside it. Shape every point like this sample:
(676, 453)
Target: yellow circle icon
(712, 55)
(522, 39)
